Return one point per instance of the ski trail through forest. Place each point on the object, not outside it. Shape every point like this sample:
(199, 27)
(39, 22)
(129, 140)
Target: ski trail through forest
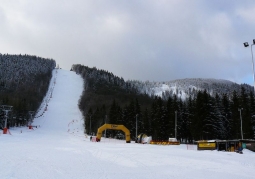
(57, 148)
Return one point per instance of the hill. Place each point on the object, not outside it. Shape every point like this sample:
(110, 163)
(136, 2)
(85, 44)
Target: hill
(58, 148)
(205, 108)
(184, 88)
(24, 81)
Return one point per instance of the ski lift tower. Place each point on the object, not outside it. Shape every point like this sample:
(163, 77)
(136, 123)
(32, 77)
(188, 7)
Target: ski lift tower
(31, 119)
(6, 109)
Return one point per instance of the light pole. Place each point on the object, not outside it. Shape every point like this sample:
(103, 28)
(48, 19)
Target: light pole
(90, 125)
(240, 110)
(6, 109)
(136, 127)
(175, 125)
(246, 44)
(105, 123)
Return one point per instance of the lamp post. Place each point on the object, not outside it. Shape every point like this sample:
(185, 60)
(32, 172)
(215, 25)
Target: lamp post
(90, 125)
(105, 123)
(240, 110)
(175, 125)
(246, 44)
(136, 126)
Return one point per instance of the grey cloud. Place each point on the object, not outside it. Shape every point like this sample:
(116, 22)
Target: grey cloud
(144, 40)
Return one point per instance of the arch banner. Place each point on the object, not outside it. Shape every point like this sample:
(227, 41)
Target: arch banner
(113, 127)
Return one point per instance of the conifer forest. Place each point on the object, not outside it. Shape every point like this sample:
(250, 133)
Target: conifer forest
(109, 99)
(215, 112)
(24, 81)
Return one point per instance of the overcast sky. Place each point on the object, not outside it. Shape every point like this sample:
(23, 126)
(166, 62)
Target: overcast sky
(155, 40)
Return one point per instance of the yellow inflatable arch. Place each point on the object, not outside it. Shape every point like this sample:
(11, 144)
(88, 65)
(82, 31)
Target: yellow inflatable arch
(113, 127)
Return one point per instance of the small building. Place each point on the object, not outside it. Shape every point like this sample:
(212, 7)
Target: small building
(249, 144)
(206, 145)
(228, 145)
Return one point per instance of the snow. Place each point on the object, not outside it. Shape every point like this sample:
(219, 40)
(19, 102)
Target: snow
(158, 91)
(58, 148)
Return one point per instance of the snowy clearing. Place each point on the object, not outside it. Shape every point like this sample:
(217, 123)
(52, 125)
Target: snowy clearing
(58, 148)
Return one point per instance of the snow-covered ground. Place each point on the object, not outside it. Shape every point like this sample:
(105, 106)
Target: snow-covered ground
(58, 149)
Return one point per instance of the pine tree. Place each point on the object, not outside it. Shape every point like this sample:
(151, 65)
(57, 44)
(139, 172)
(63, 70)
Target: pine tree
(113, 113)
(88, 121)
(138, 117)
(146, 122)
(226, 117)
(246, 118)
(190, 116)
(209, 124)
(131, 117)
(252, 113)
(155, 118)
(221, 122)
(115, 116)
(171, 117)
(235, 117)
(163, 120)
(183, 121)
(197, 120)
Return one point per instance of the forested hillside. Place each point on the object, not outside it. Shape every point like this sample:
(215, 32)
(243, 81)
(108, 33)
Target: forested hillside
(185, 88)
(24, 81)
(103, 94)
(108, 98)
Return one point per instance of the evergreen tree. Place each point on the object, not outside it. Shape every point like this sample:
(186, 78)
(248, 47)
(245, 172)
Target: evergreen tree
(138, 117)
(171, 117)
(163, 120)
(246, 118)
(183, 122)
(155, 118)
(131, 116)
(235, 117)
(197, 120)
(88, 121)
(209, 123)
(190, 116)
(146, 122)
(113, 114)
(252, 113)
(226, 117)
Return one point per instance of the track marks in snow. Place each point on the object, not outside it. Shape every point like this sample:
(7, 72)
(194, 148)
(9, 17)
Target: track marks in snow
(116, 158)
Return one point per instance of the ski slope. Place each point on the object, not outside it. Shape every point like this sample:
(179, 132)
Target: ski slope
(58, 148)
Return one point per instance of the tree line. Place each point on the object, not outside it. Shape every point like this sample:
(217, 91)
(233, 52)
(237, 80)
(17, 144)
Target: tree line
(24, 81)
(202, 116)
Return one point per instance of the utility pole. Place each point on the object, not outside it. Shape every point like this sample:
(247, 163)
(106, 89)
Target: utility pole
(90, 125)
(6, 109)
(136, 127)
(175, 125)
(105, 123)
(240, 110)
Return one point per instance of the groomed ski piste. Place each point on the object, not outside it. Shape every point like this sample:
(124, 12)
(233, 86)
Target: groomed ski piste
(59, 149)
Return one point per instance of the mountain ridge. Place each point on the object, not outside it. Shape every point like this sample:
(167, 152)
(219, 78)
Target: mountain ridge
(186, 87)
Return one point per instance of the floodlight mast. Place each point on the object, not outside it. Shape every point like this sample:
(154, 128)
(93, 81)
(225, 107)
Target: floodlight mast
(246, 44)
